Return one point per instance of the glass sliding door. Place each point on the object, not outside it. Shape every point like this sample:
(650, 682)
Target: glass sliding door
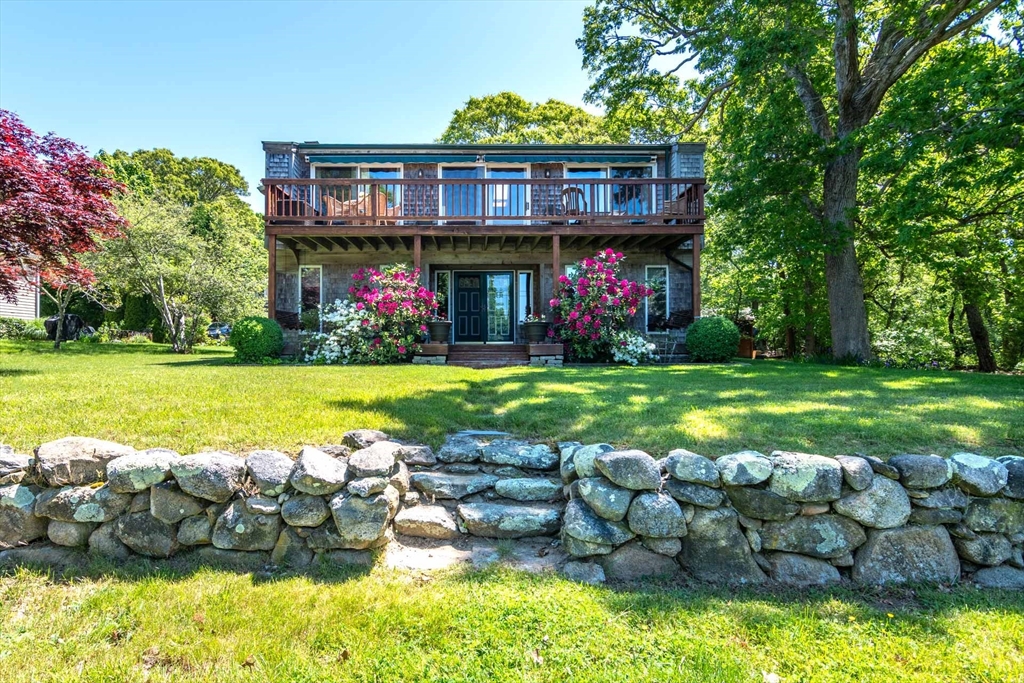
(510, 199)
(499, 307)
(592, 197)
(632, 200)
(462, 199)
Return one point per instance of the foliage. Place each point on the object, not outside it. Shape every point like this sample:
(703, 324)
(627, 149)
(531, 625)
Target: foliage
(188, 181)
(192, 272)
(55, 203)
(382, 322)
(712, 339)
(17, 328)
(592, 308)
(508, 118)
(255, 338)
(631, 347)
(139, 312)
(814, 73)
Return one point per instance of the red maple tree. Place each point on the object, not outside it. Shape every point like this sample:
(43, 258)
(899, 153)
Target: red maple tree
(55, 203)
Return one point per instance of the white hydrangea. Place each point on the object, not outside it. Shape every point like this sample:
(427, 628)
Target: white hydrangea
(343, 322)
(631, 347)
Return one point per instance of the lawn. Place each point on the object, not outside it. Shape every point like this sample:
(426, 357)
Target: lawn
(146, 397)
(204, 625)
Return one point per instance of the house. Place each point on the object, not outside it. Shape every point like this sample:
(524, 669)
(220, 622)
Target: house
(490, 226)
(25, 304)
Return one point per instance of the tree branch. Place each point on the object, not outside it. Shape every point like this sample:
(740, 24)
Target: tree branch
(811, 100)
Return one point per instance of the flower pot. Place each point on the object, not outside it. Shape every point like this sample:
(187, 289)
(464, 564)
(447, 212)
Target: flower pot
(536, 333)
(439, 331)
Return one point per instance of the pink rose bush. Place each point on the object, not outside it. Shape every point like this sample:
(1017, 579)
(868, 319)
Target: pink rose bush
(382, 321)
(592, 309)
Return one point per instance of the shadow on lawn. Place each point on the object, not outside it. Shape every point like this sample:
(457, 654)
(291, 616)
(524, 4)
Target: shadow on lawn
(772, 405)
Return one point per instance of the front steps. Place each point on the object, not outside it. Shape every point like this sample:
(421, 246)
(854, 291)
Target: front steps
(488, 355)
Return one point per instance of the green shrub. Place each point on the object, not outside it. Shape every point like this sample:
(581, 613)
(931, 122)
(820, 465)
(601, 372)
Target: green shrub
(16, 328)
(713, 339)
(256, 338)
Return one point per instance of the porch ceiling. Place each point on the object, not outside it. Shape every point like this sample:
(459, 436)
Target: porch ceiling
(481, 243)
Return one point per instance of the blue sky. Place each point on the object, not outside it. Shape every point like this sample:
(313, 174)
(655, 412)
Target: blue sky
(214, 79)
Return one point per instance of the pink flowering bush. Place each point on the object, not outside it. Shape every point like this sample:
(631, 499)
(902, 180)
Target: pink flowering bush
(593, 306)
(382, 322)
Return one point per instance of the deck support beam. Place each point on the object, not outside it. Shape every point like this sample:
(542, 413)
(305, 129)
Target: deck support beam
(272, 277)
(417, 251)
(696, 276)
(556, 261)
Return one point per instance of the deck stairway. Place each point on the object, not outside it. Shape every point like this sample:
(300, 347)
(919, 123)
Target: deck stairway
(488, 355)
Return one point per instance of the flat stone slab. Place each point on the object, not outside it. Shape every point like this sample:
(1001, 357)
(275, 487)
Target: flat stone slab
(491, 520)
(452, 486)
(526, 489)
(426, 521)
(77, 460)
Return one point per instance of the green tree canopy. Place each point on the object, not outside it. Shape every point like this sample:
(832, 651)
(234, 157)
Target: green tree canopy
(188, 180)
(509, 118)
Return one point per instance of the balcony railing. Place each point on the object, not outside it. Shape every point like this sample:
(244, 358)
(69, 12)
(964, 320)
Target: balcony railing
(489, 201)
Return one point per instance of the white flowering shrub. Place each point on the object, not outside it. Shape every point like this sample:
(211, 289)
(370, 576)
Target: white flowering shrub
(630, 347)
(343, 339)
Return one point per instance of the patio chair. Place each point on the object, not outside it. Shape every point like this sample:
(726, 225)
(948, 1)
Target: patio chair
(573, 203)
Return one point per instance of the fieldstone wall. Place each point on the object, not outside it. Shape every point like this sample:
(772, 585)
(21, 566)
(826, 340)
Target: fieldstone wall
(792, 518)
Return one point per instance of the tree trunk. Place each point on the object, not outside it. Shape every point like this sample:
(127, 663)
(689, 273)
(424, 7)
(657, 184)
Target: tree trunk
(847, 313)
(810, 343)
(979, 334)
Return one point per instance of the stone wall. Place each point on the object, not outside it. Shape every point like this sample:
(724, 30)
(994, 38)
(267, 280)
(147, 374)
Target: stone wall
(791, 518)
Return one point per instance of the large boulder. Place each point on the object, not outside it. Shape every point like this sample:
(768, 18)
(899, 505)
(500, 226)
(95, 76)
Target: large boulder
(985, 549)
(416, 455)
(15, 468)
(138, 471)
(426, 521)
(147, 535)
(630, 469)
(999, 515)
(583, 458)
(943, 498)
(168, 503)
(790, 569)
(519, 454)
(465, 446)
(584, 572)
(978, 475)
(77, 460)
(239, 529)
(291, 550)
(363, 438)
(70, 328)
(745, 468)
(882, 505)
(605, 498)
(526, 489)
(715, 549)
(270, 471)
(805, 478)
(857, 472)
(669, 547)
(823, 536)
(103, 542)
(577, 548)
(362, 521)
(305, 511)
(566, 461)
(910, 554)
(83, 504)
(657, 515)
(490, 520)
(922, 471)
(1014, 465)
(70, 534)
(317, 473)
(197, 530)
(583, 524)
(695, 494)
(213, 476)
(444, 485)
(1001, 578)
(376, 460)
(690, 467)
(367, 486)
(18, 521)
(761, 504)
(632, 562)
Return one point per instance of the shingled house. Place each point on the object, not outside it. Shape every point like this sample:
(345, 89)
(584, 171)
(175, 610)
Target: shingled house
(488, 225)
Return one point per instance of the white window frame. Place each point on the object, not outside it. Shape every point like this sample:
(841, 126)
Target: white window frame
(647, 300)
(320, 269)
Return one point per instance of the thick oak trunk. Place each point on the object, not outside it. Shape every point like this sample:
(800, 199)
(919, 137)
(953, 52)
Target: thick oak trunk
(979, 335)
(847, 313)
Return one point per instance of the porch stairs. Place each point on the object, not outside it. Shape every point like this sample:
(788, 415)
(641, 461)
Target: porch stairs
(488, 355)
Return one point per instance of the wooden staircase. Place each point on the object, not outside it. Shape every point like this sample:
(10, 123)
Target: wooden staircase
(488, 355)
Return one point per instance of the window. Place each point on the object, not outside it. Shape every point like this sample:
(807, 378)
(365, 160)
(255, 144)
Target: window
(310, 278)
(524, 295)
(442, 291)
(633, 200)
(656, 305)
(572, 271)
(592, 194)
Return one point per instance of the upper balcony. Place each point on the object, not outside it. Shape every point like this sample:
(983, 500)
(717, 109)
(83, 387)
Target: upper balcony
(432, 206)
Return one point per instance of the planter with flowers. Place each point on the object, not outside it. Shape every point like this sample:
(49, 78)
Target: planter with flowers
(439, 329)
(535, 328)
(592, 312)
(383, 320)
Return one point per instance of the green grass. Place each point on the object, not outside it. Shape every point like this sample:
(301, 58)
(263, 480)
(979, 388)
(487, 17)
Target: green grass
(146, 397)
(203, 625)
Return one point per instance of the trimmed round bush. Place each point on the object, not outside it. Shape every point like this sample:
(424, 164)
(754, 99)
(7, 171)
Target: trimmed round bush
(713, 339)
(256, 338)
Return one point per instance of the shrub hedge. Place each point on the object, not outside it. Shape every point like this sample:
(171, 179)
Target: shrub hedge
(713, 339)
(255, 338)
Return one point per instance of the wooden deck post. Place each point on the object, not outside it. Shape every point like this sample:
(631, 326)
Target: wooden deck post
(417, 252)
(556, 262)
(696, 276)
(272, 276)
